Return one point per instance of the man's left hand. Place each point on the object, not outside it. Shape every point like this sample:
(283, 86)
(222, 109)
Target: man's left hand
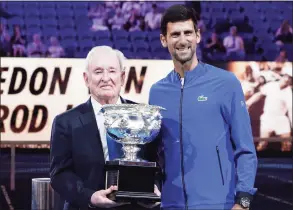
(238, 207)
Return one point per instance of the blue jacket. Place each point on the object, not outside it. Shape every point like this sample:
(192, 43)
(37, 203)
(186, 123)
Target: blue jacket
(207, 141)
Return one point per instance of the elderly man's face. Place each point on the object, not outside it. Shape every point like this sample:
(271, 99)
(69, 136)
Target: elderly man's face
(104, 77)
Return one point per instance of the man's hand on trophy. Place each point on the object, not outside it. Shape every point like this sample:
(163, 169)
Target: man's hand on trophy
(99, 198)
(152, 205)
(157, 191)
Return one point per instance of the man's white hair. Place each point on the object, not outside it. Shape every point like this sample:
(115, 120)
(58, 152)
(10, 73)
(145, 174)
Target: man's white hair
(99, 51)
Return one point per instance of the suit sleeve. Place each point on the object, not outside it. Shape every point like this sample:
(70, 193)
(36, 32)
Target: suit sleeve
(244, 154)
(63, 179)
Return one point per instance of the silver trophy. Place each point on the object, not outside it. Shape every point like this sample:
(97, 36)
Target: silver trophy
(132, 125)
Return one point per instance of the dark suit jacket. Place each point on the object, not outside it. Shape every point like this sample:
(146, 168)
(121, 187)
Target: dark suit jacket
(77, 158)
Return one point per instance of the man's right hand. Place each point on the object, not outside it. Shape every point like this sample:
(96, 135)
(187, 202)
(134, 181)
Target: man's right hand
(99, 198)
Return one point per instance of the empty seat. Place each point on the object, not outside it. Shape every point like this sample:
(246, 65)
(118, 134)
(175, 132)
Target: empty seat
(153, 35)
(140, 46)
(122, 45)
(119, 35)
(32, 22)
(86, 46)
(128, 54)
(16, 21)
(30, 5)
(50, 31)
(249, 45)
(85, 36)
(64, 12)
(155, 46)
(144, 55)
(221, 25)
(49, 22)
(103, 35)
(46, 13)
(67, 32)
(79, 5)
(68, 42)
(64, 4)
(66, 24)
(137, 36)
(31, 31)
(163, 55)
(70, 51)
(80, 11)
(16, 11)
(104, 42)
(12, 4)
(46, 4)
(80, 54)
(274, 25)
(271, 54)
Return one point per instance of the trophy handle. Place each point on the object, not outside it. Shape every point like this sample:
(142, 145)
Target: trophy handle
(130, 152)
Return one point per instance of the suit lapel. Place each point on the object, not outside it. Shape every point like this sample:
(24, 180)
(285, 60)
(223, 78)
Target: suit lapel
(123, 101)
(90, 128)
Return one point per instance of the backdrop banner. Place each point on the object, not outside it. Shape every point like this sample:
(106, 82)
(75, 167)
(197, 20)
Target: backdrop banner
(35, 90)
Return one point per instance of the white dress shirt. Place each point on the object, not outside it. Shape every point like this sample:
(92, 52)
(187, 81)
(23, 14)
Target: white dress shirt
(100, 123)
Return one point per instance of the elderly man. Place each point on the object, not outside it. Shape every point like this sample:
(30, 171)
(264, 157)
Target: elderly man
(78, 143)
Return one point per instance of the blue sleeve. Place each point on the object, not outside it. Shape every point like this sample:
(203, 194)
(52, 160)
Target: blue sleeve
(244, 154)
(150, 96)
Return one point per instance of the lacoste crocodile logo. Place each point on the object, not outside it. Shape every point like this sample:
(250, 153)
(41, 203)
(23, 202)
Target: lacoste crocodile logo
(202, 98)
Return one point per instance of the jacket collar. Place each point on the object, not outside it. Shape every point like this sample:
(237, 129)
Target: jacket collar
(89, 108)
(195, 73)
(97, 106)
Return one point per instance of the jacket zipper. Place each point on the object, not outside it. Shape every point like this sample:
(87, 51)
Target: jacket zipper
(220, 164)
(181, 149)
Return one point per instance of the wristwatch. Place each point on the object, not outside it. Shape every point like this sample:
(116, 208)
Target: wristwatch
(243, 199)
(244, 202)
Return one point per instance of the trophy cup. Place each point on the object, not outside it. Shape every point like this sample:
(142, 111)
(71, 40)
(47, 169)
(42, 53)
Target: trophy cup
(132, 125)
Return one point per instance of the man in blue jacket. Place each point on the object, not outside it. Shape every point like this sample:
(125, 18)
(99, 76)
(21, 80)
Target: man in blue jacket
(207, 144)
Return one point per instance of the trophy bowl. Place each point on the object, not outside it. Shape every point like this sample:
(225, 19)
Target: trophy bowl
(132, 125)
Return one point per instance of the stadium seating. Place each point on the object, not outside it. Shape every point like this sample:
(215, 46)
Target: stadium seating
(69, 22)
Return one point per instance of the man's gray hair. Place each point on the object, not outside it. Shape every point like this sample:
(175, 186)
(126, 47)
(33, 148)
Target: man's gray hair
(101, 50)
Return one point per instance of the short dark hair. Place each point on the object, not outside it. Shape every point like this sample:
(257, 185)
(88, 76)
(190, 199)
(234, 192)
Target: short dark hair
(176, 13)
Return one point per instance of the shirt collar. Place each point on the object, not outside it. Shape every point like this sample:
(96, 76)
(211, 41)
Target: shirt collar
(97, 106)
(198, 71)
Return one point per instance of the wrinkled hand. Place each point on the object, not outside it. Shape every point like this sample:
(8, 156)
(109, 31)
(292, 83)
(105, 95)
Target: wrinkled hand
(238, 207)
(152, 205)
(99, 198)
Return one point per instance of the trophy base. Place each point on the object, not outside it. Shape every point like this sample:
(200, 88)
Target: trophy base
(144, 197)
(134, 180)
